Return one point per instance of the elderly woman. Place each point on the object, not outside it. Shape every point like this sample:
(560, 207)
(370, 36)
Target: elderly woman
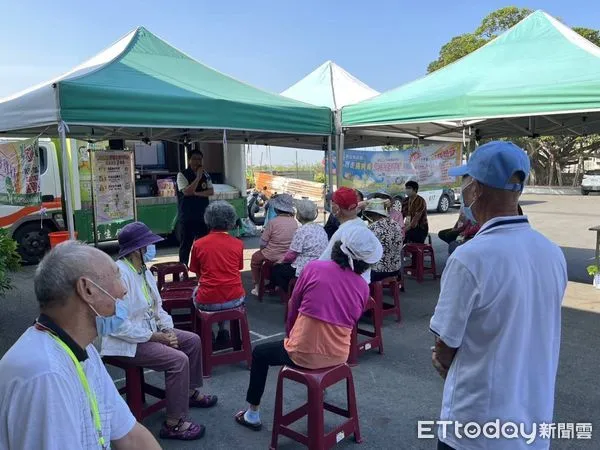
(328, 300)
(147, 337)
(308, 244)
(389, 233)
(217, 260)
(276, 237)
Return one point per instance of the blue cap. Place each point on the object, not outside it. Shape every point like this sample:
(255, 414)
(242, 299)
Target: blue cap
(494, 164)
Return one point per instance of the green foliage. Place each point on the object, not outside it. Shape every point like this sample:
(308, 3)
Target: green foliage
(501, 20)
(593, 270)
(9, 260)
(589, 34)
(454, 50)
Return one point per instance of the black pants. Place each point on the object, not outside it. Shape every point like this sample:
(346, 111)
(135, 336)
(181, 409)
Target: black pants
(417, 235)
(281, 275)
(443, 446)
(190, 231)
(448, 235)
(379, 276)
(263, 357)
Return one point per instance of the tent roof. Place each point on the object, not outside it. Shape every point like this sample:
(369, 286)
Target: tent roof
(331, 86)
(538, 78)
(142, 85)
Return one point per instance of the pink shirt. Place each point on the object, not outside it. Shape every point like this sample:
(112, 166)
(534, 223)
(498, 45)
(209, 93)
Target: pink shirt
(277, 236)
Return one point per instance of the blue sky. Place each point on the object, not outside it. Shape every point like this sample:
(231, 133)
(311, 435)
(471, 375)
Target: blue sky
(270, 44)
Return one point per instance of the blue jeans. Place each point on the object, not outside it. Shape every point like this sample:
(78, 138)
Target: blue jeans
(220, 306)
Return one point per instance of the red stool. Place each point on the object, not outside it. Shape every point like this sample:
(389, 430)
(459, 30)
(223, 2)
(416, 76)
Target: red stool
(136, 388)
(178, 272)
(387, 309)
(265, 274)
(375, 338)
(288, 295)
(316, 381)
(241, 347)
(418, 253)
(180, 298)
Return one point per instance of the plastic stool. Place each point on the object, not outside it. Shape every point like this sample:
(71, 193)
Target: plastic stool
(265, 274)
(375, 338)
(177, 270)
(316, 381)
(241, 346)
(180, 298)
(417, 267)
(387, 309)
(291, 287)
(136, 388)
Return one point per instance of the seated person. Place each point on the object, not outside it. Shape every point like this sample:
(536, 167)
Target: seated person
(449, 235)
(415, 215)
(217, 260)
(276, 237)
(393, 208)
(147, 337)
(329, 298)
(308, 244)
(332, 224)
(389, 233)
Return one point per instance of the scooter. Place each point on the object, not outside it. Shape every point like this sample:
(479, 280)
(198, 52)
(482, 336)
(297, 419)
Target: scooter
(257, 206)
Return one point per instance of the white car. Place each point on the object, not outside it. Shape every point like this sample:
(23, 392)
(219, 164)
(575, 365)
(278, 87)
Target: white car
(590, 182)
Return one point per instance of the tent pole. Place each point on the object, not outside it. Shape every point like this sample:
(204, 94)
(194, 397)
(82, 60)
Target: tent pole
(340, 161)
(329, 169)
(66, 179)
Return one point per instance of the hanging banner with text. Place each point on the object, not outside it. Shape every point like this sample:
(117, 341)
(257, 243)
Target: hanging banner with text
(20, 173)
(113, 186)
(372, 171)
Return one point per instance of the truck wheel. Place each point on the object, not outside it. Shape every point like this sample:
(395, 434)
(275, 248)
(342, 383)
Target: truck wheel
(444, 204)
(33, 242)
(585, 192)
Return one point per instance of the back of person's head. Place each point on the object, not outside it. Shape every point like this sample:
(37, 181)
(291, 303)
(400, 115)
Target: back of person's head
(306, 211)
(220, 216)
(357, 250)
(412, 185)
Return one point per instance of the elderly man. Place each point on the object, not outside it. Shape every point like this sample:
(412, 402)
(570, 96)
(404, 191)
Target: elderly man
(54, 390)
(497, 321)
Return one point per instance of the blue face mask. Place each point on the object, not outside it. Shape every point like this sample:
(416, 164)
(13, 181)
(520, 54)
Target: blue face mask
(109, 325)
(150, 253)
(467, 210)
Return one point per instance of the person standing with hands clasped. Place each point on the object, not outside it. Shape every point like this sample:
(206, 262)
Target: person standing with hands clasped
(194, 187)
(497, 320)
(55, 393)
(147, 337)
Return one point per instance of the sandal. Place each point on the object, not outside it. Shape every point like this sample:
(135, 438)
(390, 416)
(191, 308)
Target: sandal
(239, 418)
(191, 433)
(203, 401)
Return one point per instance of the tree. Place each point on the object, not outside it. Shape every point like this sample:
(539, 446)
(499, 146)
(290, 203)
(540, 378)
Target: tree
(549, 155)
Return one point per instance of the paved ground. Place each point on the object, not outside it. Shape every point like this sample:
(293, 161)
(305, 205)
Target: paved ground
(396, 389)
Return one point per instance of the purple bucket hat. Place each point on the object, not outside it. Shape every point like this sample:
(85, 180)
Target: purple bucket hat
(135, 236)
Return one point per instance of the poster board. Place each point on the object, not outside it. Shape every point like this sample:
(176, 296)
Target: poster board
(113, 188)
(372, 171)
(20, 173)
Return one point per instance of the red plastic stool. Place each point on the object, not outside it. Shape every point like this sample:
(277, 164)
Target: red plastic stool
(180, 298)
(387, 309)
(178, 271)
(240, 345)
(316, 381)
(136, 388)
(288, 295)
(418, 253)
(265, 274)
(375, 338)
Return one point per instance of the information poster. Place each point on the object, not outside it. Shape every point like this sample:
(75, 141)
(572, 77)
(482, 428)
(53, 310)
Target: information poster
(113, 185)
(372, 171)
(20, 173)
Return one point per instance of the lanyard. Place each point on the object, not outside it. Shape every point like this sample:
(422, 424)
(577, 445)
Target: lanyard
(145, 287)
(86, 387)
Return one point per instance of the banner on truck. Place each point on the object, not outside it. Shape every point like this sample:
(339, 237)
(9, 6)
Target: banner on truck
(113, 186)
(372, 171)
(20, 173)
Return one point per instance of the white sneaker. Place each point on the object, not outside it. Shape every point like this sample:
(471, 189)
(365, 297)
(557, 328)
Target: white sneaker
(254, 292)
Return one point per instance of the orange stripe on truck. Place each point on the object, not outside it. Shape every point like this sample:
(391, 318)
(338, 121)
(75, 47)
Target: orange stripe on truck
(6, 221)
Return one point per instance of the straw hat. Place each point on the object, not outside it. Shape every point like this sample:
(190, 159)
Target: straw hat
(377, 206)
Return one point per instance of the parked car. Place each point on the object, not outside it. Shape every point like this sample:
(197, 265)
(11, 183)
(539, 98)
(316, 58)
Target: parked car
(590, 182)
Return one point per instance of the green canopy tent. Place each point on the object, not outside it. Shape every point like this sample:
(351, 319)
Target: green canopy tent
(538, 78)
(143, 88)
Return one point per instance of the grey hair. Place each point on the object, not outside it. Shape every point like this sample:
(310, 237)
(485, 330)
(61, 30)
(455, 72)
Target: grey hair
(57, 274)
(220, 215)
(306, 210)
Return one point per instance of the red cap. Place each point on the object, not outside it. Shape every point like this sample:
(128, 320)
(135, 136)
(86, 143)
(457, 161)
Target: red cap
(345, 198)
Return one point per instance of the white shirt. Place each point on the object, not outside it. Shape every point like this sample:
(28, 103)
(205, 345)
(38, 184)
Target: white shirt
(42, 402)
(337, 236)
(182, 181)
(142, 319)
(499, 304)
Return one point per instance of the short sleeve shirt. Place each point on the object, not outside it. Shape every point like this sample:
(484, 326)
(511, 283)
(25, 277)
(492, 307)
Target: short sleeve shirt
(389, 233)
(43, 404)
(309, 242)
(205, 182)
(278, 235)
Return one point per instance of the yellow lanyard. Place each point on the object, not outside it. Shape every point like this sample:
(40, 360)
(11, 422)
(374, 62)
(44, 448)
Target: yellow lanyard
(86, 387)
(145, 287)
